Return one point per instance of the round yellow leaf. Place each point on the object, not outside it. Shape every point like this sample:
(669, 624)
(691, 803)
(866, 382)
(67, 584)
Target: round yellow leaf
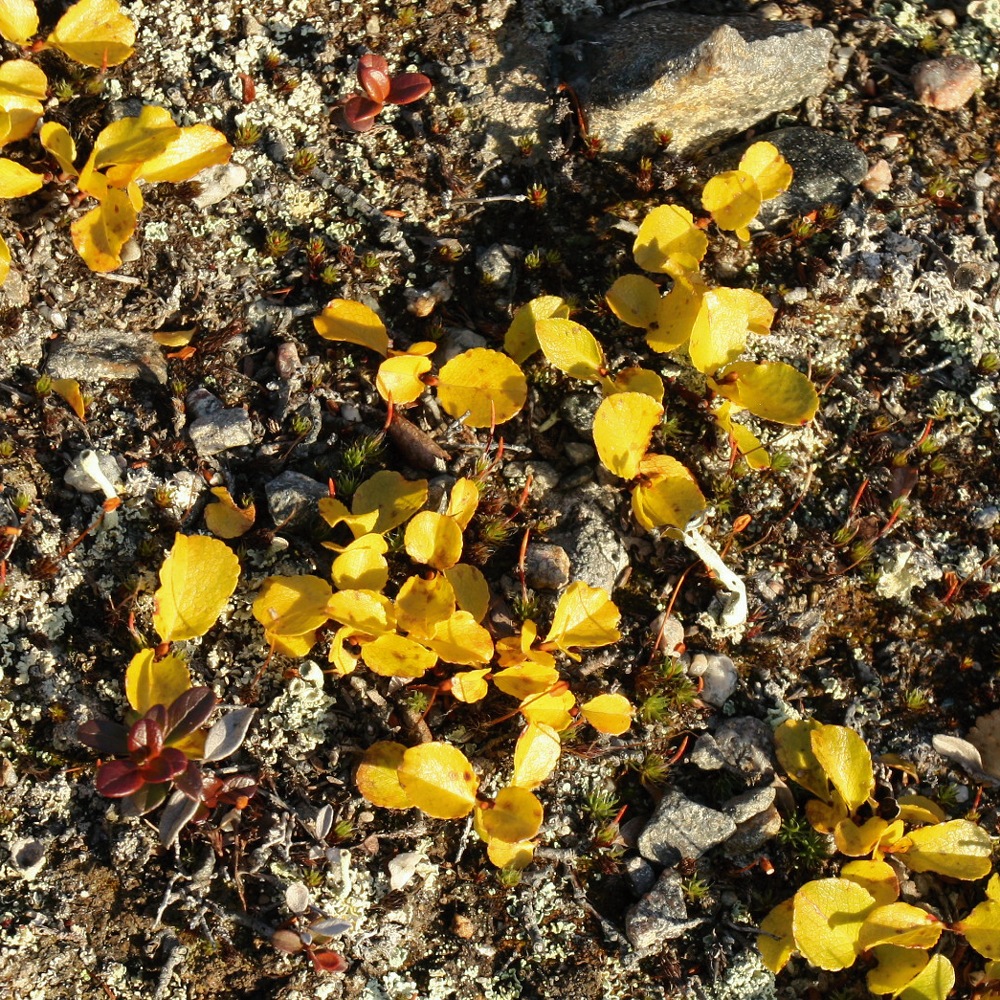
(847, 762)
(439, 780)
(571, 348)
(392, 496)
(4, 260)
(376, 775)
(422, 604)
(365, 611)
(399, 379)
(470, 685)
(21, 78)
(520, 341)
(635, 300)
(776, 942)
(472, 592)
(669, 242)
(768, 168)
(608, 713)
(549, 709)
(827, 921)
(902, 925)
(194, 149)
(682, 315)
(793, 747)
(150, 682)
(433, 539)
(485, 384)
(394, 655)
(515, 857)
(667, 496)
(918, 809)
(461, 639)
(294, 646)
(585, 617)
(134, 140)
(960, 849)
(224, 519)
(636, 380)
(18, 20)
(463, 501)
(877, 877)
(934, 982)
(732, 313)
(535, 755)
(292, 605)
(526, 679)
(95, 33)
(623, 427)
(352, 323)
(196, 580)
(770, 390)
(896, 968)
(17, 181)
(982, 928)
(362, 565)
(733, 198)
(334, 512)
(516, 815)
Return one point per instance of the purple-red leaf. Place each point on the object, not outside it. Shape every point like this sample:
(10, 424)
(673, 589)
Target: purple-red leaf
(191, 782)
(157, 714)
(189, 712)
(374, 80)
(407, 88)
(145, 800)
(287, 941)
(328, 961)
(164, 767)
(118, 778)
(373, 61)
(104, 736)
(359, 113)
(145, 740)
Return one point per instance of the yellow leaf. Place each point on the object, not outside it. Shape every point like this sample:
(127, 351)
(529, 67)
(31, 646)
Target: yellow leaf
(585, 617)
(732, 313)
(174, 338)
(535, 755)
(608, 713)
(897, 967)
(747, 443)
(292, 605)
(376, 775)
(516, 815)
(134, 140)
(485, 384)
(768, 167)
(919, 809)
(362, 565)
(571, 348)
(394, 655)
(18, 117)
(877, 877)
(95, 33)
(150, 682)
(69, 389)
(194, 149)
(295, 646)
(399, 379)
(4, 260)
(518, 648)
(623, 427)
(669, 242)
(681, 316)
(771, 390)
(825, 817)
(100, 234)
(827, 921)
(423, 604)
(17, 181)
(935, 982)
(352, 323)
(845, 758)
(21, 78)
(960, 849)
(461, 639)
(635, 380)
(776, 942)
(439, 780)
(667, 495)
(515, 857)
(433, 539)
(902, 925)
(472, 592)
(60, 145)
(526, 679)
(635, 300)
(549, 709)
(364, 611)
(793, 746)
(470, 685)
(462, 502)
(982, 927)
(520, 341)
(18, 20)
(395, 498)
(225, 519)
(196, 580)
(733, 198)
(345, 660)
(334, 512)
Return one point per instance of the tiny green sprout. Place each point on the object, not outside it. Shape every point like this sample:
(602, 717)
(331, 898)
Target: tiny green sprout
(286, 84)
(843, 535)
(807, 848)
(148, 548)
(862, 551)
(939, 465)
(663, 137)
(343, 829)
(989, 363)
(781, 461)
(457, 114)
(644, 174)
(6, 448)
(942, 188)
(653, 769)
(43, 386)
(553, 257)
(526, 143)
(94, 86)
(947, 796)
(509, 877)
(802, 228)
(315, 250)
(601, 805)
(348, 482)
(277, 242)
(538, 195)
(300, 424)
(525, 606)
(163, 497)
(304, 161)
(696, 889)
(655, 707)
(918, 699)
(22, 501)
(364, 450)
(330, 274)
(533, 259)
(4, 591)
(312, 877)
(929, 445)
(63, 90)
(828, 213)
(913, 381)
(670, 427)
(247, 134)
(370, 262)
(496, 531)
(407, 17)
(178, 387)
(417, 701)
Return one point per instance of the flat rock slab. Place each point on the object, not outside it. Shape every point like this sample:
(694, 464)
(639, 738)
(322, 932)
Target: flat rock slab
(108, 355)
(681, 828)
(660, 915)
(703, 79)
(220, 431)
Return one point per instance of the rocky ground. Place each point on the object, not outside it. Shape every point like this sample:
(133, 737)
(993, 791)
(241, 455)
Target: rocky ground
(446, 216)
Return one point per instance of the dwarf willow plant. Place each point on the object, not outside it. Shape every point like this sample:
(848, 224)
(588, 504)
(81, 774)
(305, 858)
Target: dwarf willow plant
(832, 922)
(149, 148)
(433, 622)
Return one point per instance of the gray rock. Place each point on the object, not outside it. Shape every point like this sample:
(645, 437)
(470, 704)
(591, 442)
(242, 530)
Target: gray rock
(747, 745)
(578, 411)
(107, 355)
(496, 264)
(752, 834)
(640, 874)
(291, 498)
(701, 78)
(579, 453)
(660, 915)
(587, 533)
(706, 755)
(718, 675)
(681, 828)
(546, 567)
(217, 183)
(748, 804)
(221, 431)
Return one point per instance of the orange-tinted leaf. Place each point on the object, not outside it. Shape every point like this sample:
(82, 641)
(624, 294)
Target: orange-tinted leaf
(69, 389)
(362, 565)
(608, 713)
(433, 539)
(470, 685)
(60, 145)
(516, 816)
(549, 709)
(225, 519)
(667, 496)
(462, 502)
(399, 378)
(422, 604)
(526, 679)
(100, 234)
(461, 639)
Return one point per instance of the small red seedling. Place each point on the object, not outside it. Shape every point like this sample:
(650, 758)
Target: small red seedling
(358, 112)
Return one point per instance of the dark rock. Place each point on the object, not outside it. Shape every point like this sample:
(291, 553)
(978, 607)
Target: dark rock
(660, 915)
(701, 78)
(681, 828)
(546, 567)
(748, 746)
(107, 355)
(640, 874)
(291, 498)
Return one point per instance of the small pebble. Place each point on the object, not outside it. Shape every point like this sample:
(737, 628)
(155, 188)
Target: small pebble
(948, 83)
(546, 567)
(879, 178)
